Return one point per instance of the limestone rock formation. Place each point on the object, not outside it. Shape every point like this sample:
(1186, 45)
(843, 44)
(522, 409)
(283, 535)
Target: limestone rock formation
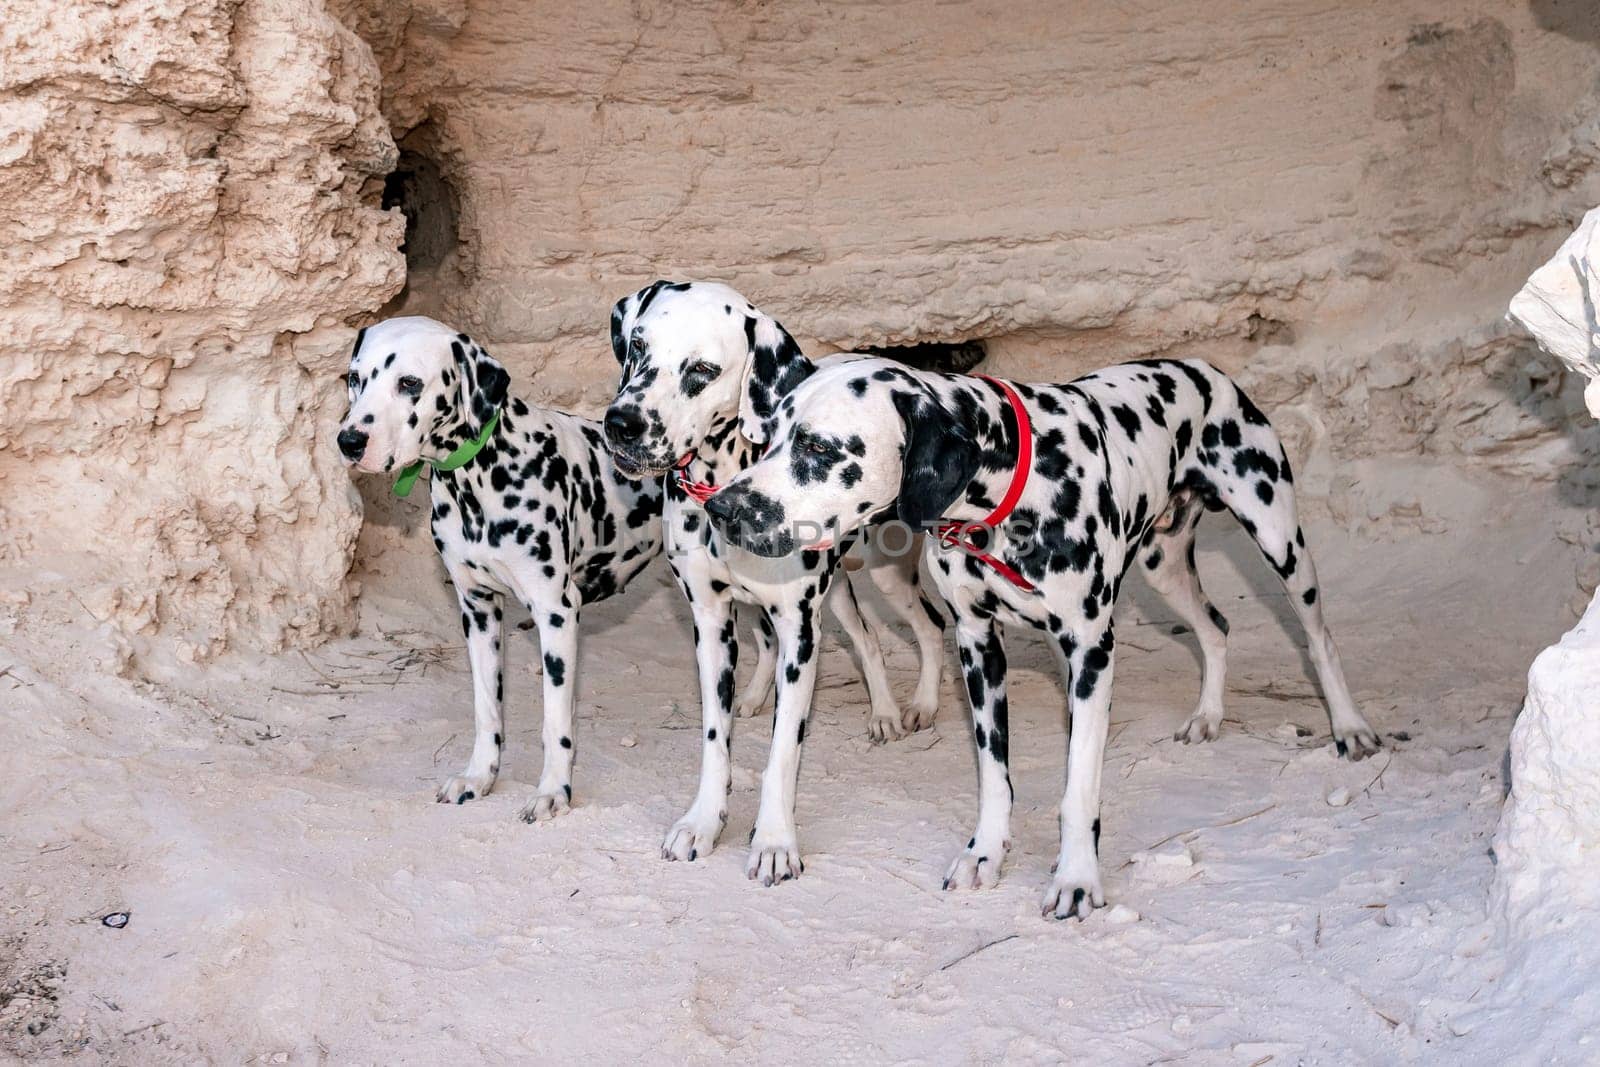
(1557, 307)
(1547, 847)
(1327, 199)
(189, 199)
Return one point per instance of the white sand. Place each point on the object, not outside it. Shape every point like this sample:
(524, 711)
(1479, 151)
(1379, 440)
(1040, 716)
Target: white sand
(296, 895)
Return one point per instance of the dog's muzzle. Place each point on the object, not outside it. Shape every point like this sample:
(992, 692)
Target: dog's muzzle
(751, 520)
(624, 430)
(352, 443)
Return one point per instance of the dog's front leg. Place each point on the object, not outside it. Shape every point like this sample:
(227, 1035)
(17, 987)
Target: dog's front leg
(775, 846)
(481, 621)
(1076, 889)
(558, 641)
(716, 653)
(983, 663)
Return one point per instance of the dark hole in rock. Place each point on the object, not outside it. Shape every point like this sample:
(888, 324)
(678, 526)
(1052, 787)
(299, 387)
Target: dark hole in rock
(420, 189)
(1265, 331)
(947, 357)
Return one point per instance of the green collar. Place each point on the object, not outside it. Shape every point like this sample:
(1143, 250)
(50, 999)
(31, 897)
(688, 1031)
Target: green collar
(408, 475)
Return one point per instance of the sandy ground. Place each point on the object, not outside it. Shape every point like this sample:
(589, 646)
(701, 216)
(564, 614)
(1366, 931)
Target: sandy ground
(296, 896)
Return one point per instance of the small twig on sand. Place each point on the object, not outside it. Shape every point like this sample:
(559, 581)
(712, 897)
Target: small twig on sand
(1317, 940)
(1214, 826)
(936, 739)
(440, 749)
(980, 948)
(142, 1029)
(1240, 819)
(308, 692)
(319, 671)
(1367, 792)
(902, 878)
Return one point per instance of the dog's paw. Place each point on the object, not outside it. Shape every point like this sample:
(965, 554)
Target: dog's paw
(460, 788)
(692, 836)
(546, 806)
(1357, 743)
(919, 716)
(1072, 894)
(975, 868)
(749, 709)
(773, 858)
(882, 728)
(1198, 728)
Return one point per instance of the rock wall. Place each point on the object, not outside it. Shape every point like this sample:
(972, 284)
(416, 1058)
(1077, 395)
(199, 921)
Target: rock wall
(189, 203)
(1334, 200)
(1348, 188)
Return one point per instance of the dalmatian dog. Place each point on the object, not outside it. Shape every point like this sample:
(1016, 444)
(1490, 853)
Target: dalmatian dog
(538, 511)
(701, 371)
(1041, 499)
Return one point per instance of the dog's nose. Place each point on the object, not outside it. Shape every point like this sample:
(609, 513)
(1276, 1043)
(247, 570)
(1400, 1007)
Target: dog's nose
(623, 425)
(352, 442)
(721, 507)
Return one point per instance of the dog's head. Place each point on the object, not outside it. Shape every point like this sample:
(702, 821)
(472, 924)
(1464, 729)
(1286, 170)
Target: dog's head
(859, 441)
(694, 356)
(416, 387)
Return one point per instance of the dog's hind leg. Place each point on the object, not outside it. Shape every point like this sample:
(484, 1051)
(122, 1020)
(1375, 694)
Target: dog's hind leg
(898, 580)
(1168, 562)
(482, 623)
(1250, 476)
(883, 724)
(758, 692)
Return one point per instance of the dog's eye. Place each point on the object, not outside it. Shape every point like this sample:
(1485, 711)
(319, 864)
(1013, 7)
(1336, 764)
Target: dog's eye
(708, 370)
(817, 448)
(353, 379)
(636, 348)
(410, 384)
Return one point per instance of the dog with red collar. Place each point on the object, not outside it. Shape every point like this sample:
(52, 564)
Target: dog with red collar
(702, 370)
(1041, 499)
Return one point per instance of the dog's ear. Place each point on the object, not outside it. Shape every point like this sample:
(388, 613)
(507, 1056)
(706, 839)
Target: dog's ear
(938, 461)
(775, 366)
(623, 312)
(484, 382)
(626, 312)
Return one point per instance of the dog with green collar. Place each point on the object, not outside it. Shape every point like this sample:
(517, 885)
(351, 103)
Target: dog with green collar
(524, 502)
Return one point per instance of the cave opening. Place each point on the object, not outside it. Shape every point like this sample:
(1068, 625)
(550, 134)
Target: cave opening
(946, 357)
(420, 187)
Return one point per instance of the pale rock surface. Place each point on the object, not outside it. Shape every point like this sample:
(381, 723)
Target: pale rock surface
(1547, 847)
(189, 202)
(1325, 198)
(1548, 844)
(1332, 200)
(1557, 307)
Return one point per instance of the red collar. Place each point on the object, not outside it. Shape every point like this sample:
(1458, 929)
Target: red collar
(951, 534)
(699, 492)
